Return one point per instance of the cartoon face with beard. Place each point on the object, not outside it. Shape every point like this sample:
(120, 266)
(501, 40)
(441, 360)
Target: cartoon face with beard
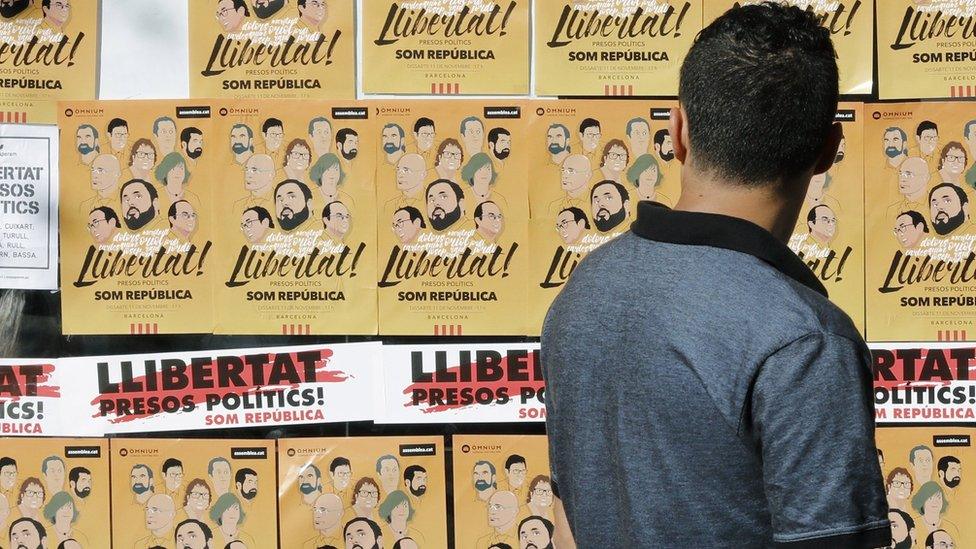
(348, 143)
(82, 486)
(500, 143)
(293, 200)
(950, 471)
(12, 8)
(663, 145)
(139, 204)
(445, 204)
(249, 488)
(609, 203)
(266, 8)
(949, 208)
(308, 480)
(902, 529)
(535, 533)
(894, 142)
(362, 533)
(557, 139)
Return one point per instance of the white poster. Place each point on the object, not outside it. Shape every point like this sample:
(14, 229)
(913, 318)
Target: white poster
(924, 383)
(223, 389)
(31, 403)
(28, 207)
(476, 383)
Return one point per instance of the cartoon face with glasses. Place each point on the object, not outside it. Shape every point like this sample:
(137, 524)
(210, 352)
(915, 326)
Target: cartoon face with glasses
(313, 12)
(336, 220)
(56, 12)
(488, 220)
(103, 223)
(898, 488)
(572, 224)
(407, 224)
(615, 159)
(953, 162)
(258, 174)
(575, 173)
(822, 224)
(910, 228)
(365, 497)
(231, 14)
(183, 223)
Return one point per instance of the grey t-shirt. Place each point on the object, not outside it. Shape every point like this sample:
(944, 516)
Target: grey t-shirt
(703, 392)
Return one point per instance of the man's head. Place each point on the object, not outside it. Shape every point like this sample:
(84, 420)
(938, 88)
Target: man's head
(502, 509)
(53, 470)
(293, 201)
(118, 132)
(160, 511)
(910, 228)
(140, 478)
(56, 12)
(483, 476)
(488, 220)
(362, 533)
(902, 529)
(410, 172)
(246, 482)
(575, 173)
(921, 459)
(949, 209)
(424, 133)
(500, 143)
(274, 132)
(313, 12)
(258, 173)
(164, 128)
(105, 172)
(336, 219)
(231, 14)
(86, 139)
(927, 137)
(535, 532)
(953, 159)
(639, 134)
(392, 138)
(571, 224)
(255, 223)
(27, 533)
(515, 469)
(415, 480)
(767, 66)
(341, 472)
(218, 469)
(80, 481)
(407, 223)
(193, 534)
(191, 142)
(310, 480)
(103, 223)
(822, 223)
(557, 139)
(663, 145)
(266, 8)
(473, 133)
(388, 467)
(913, 176)
(320, 132)
(939, 539)
(140, 202)
(241, 139)
(445, 203)
(894, 142)
(950, 471)
(347, 143)
(609, 205)
(8, 473)
(183, 221)
(590, 134)
(449, 155)
(326, 512)
(172, 467)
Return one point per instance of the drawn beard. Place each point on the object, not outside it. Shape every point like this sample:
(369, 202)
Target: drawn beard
(136, 222)
(250, 494)
(667, 157)
(905, 543)
(445, 220)
(84, 148)
(269, 9)
(503, 154)
(607, 223)
(296, 218)
(892, 152)
(195, 153)
(556, 148)
(423, 490)
(943, 224)
(349, 155)
(239, 148)
(306, 488)
(954, 482)
(84, 493)
(390, 148)
(13, 8)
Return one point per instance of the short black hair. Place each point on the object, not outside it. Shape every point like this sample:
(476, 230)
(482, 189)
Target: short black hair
(327, 210)
(64, 543)
(812, 214)
(117, 123)
(399, 544)
(589, 123)
(172, 213)
(412, 470)
(770, 67)
(479, 210)
(372, 526)
(7, 460)
(342, 134)
(153, 194)
(40, 527)
(916, 218)
(238, 4)
(624, 195)
(241, 474)
(930, 540)
(909, 521)
(926, 125)
(494, 133)
(421, 122)
(271, 123)
(578, 215)
(188, 133)
(963, 197)
(458, 191)
(660, 135)
(305, 190)
(109, 214)
(945, 461)
(500, 545)
(545, 522)
(76, 473)
(515, 458)
(262, 214)
(339, 462)
(207, 532)
(172, 462)
(414, 214)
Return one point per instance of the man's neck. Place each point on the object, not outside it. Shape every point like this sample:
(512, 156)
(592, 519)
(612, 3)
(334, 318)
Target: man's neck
(916, 196)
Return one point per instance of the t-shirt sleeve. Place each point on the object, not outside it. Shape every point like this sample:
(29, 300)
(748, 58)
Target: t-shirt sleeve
(813, 416)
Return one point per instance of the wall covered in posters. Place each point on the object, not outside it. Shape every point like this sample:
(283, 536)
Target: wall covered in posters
(924, 383)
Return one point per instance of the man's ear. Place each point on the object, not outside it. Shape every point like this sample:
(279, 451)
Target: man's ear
(829, 150)
(678, 129)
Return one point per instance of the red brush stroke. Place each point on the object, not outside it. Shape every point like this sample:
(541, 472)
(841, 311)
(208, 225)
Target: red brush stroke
(42, 389)
(898, 369)
(513, 387)
(322, 375)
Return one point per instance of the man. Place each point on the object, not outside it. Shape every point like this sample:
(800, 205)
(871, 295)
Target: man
(663, 145)
(241, 143)
(913, 184)
(320, 134)
(256, 223)
(557, 142)
(140, 203)
(615, 398)
(164, 128)
(246, 482)
(259, 174)
(27, 533)
(340, 469)
(219, 471)
(415, 482)
(500, 144)
(574, 179)
(388, 468)
(515, 470)
(347, 142)
(118, 137)
(502, 520)
(424, 133)
(8, 476)
(445, 204)
(572, 224)
(902, 529)
(141, 483)
(105, 174)
(895, 146)
(590, 134)
(193, 534)
(172, 471)
(336, 220)
(949, 211)
(191, 143)
(407, 224)
(472, 135)
(327, 522)
(488, 221)
(910, 229)
(273, 131)
(926, 143)
(535, 533)
(312, 13)
(392, 143)
(950, 472)
(609, 205)
(483, 477)
(80, 482)
(86, 141)
(160, 512)
(822, 225)
(411, 170)
(267, 8)
(639, 135)
(293, 202)
(231, 14)
(362, 533)
(310, 484)
(939, 539)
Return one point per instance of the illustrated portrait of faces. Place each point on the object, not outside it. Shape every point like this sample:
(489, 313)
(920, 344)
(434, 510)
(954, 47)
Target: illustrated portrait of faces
(241, 139)
(557, 139)
(160, 512)
(639, 135)
(950, 471)
(105, 173)
(646, 176)
(500, 143)
(939, 539)
(328, 175)
(140, 479)
(953, 161)
(172, 173)
(246, 483)
(320, 132)
(256, 222)
(615, 157)
(407, 224)
(27, 533)
(52, 468)
(293, 200)
(515, 469)
(197, 496)
(424, 134)
(575, 173)
(231, 14)
(910, 229)
(663, 146)
(473, 134)
(258, 173)
(274, 133)
(535, 532)
(86, 139)
(449, 156)
(415, 480)
(572, 224)
(913, 177)
(298, 157)
(388, 468)
(267, 8)
(80, 482)
(445, 204)
(12, 8)
(899, 484)
(949, 210)
(894, 142)
(930, 501)
(609, 205)
(313, 12)
(193, 534)
(191, 142)
(927, 137)
(362, 533)
(410, 173)
(479, 174)
(902, 529)
(347, 143)
(921, 460)
(488, 220)
(341, 472)
(182, 219)
(310, 480)
(326, 512)
(502, 509)
(822, 224)
(140, 202)
(8, 473)
(118, 134)
(366, 495)
(219, 471)
(31, 495)
(590, 134)
(483, 476)
(164, 128)
(392, 139)
(540, 493)
(336, 220)
(142, 157)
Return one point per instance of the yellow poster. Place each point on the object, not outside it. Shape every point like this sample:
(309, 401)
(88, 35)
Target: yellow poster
(257, 49)
(851, 24)
(297, 229)
(169, 493)
(452, 217)
(926, 49)
(53, 490)
(48, 52)
(829, 233)
(595, 47)
(501, 483)
(593, 161)
(446, 47)
(930, 500)
(363, 492)
(920, 181)
(136, 215)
